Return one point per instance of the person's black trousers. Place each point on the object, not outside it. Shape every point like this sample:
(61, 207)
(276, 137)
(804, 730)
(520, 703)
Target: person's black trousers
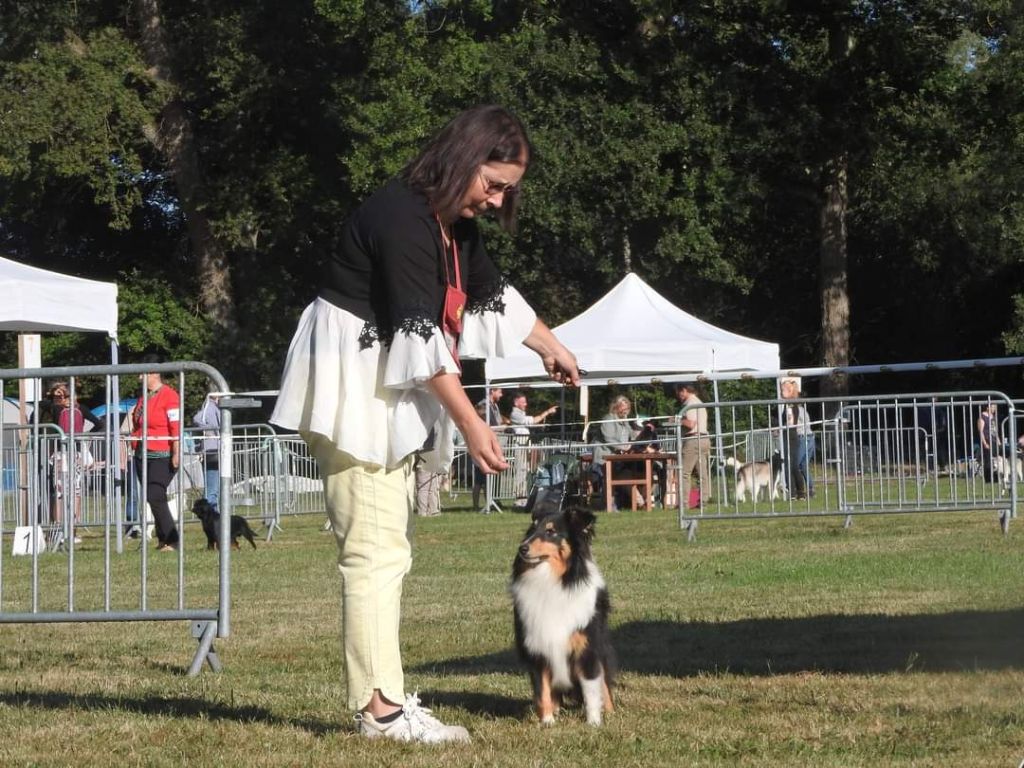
(159, 474)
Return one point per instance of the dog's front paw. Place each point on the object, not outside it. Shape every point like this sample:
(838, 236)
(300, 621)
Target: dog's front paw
(547, 720)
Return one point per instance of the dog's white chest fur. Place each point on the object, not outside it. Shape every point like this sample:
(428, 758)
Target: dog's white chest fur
(551, 613)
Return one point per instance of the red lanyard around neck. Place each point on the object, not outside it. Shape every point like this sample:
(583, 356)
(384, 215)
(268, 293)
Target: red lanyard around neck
(454, 300)
(455, 257)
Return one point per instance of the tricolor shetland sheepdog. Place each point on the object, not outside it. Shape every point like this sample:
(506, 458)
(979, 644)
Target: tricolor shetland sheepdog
(561, 610)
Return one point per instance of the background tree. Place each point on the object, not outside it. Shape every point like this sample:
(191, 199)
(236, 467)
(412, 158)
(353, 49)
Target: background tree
(693, 142)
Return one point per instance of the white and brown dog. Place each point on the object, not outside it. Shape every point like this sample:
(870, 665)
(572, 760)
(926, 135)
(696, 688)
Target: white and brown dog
(757, 476)
(1007, 469)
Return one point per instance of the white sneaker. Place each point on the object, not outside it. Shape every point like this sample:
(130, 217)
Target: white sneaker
(414, 724)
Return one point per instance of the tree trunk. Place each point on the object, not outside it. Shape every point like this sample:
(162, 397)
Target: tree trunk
(176, 141)
(835, 297)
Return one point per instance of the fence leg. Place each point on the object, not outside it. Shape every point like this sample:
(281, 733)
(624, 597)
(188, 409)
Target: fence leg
(491, 504)
(691, 530)
(848, 522)
(273, 526)
(56, 539)
(280, 488)
(1004, 520)
(204, 631)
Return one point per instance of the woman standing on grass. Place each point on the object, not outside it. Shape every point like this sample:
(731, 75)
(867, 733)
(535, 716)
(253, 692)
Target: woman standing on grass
(156, 456)
(372, 380)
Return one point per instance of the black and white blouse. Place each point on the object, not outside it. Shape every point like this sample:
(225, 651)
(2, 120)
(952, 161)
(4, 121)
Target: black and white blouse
(358, 364)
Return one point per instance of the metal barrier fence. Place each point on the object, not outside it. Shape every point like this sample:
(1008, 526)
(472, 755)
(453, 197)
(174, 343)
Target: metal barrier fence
(853, 456)
(899, 453)
(838, 457)
(297, 486)
(512, 486)
(58, 485)
(271, 475)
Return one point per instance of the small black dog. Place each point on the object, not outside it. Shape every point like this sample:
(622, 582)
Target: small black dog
(211, 525)
(646, 440)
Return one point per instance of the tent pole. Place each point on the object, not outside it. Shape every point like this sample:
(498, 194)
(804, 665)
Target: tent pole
(718, 425)
(114, 450)
(584, 410)
(718, 410)
(488, 479)
(29, 356)
(561, 410)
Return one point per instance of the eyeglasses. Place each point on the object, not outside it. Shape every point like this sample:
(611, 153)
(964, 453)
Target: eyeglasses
(493, 188)
(60, 395)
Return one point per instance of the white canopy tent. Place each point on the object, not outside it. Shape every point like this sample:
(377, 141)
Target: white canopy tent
(633, 331)
(633, 334)
(36, 300)
(9, 411)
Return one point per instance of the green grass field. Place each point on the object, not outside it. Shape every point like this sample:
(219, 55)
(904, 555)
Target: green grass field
(786, 642)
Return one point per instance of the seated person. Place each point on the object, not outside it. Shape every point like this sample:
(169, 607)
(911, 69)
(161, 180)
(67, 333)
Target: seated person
(616, 434)
(646, 441)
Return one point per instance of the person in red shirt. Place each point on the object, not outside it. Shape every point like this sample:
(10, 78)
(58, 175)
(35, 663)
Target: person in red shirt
(159, 452)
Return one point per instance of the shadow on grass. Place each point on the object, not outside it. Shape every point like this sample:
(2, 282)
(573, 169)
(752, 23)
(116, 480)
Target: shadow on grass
(190, 708)
(478, 703)
(858, 644)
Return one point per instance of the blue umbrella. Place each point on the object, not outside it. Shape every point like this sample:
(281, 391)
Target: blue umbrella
(123, 407)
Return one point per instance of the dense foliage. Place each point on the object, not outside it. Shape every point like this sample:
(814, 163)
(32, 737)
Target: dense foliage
(691, 142)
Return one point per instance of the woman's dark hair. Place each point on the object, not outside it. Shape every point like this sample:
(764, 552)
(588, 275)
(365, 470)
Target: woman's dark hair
(450, 162)
(152, 358)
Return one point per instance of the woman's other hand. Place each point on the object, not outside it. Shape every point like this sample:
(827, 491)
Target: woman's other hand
(483, 447)
(481, 442)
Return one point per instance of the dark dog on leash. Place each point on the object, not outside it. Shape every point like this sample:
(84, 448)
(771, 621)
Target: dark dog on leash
(646, 440)
(211, 525)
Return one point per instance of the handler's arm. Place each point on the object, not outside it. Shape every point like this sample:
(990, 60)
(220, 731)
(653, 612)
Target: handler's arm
(481, 442)
(558, 361)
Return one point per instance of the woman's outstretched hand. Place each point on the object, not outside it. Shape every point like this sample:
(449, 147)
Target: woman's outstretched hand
(561, 366)
(558, 361)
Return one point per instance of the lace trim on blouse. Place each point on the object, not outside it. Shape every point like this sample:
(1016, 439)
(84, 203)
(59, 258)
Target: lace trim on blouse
(492, 300)
(422, 324)
(418, 322)
(368, 335)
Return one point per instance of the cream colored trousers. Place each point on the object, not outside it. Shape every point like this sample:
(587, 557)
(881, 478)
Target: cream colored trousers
(371, 511)
(696, 453)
